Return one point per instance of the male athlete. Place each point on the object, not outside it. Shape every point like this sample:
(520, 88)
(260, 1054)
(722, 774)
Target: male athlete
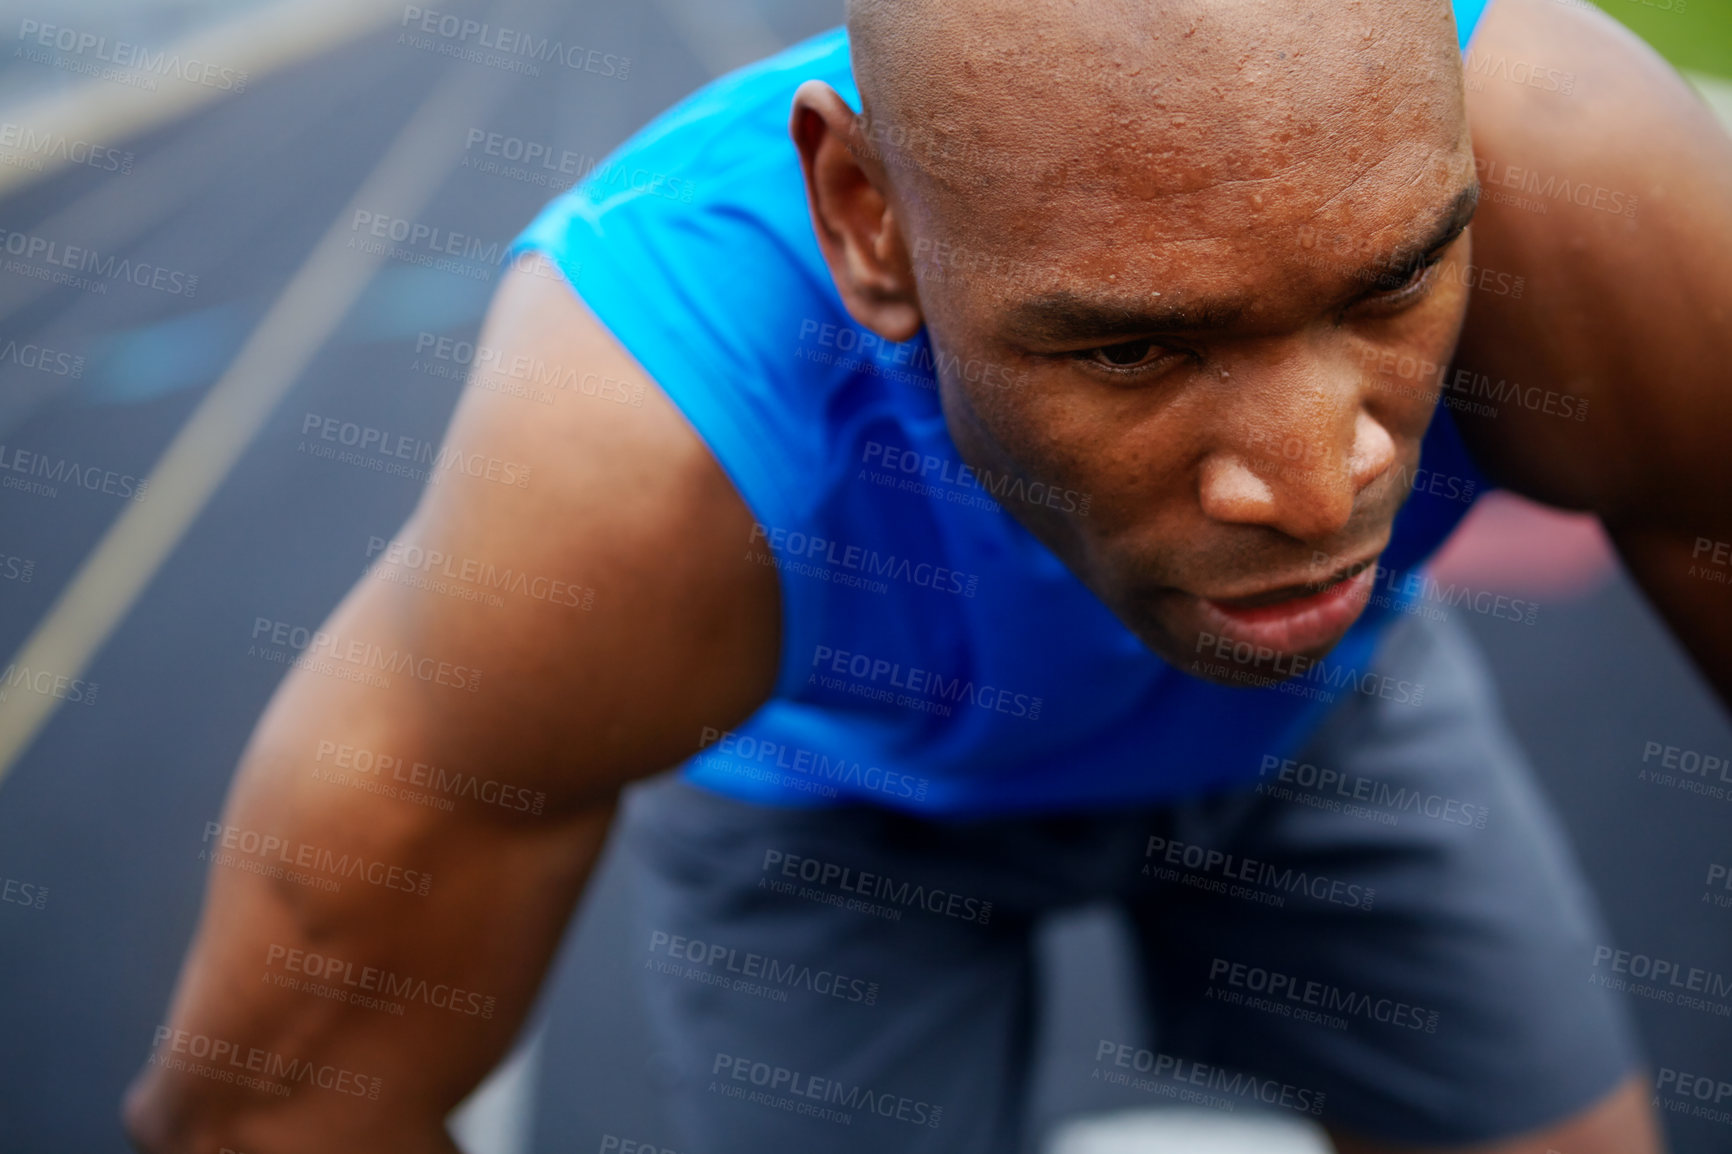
(1023, 504)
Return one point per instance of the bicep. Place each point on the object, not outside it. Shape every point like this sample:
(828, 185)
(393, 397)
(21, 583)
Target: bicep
(568, 608)
(620, 613)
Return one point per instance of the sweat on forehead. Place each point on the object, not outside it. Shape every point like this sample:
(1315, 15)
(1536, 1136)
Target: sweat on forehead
(975, 93)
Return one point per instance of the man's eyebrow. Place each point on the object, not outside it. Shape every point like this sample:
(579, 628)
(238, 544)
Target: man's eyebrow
(1063, 315)
(1450, 222)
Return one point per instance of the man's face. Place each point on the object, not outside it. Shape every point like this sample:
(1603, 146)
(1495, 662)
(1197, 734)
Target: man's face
(1214, 304)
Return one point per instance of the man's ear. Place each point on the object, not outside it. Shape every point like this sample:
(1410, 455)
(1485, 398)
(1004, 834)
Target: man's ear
(857, 230)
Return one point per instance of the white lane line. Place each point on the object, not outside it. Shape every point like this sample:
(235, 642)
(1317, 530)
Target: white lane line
(298, 324)
(1187, 1130)
(257, 42)
(117, 212)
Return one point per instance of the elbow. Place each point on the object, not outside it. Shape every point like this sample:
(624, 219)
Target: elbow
(154, 1121)
(143, 1120)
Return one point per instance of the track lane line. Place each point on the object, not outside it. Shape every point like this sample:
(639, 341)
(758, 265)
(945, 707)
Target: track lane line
(134, 548)
(258, 43)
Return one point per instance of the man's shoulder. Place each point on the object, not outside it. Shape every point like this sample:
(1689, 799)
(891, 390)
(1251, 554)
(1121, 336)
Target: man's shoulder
(623, 546)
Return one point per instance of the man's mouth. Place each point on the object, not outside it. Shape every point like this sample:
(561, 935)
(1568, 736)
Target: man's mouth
(1293, 618)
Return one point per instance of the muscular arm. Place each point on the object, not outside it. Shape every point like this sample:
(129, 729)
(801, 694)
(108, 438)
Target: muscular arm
(572, 704)
(1629, 308)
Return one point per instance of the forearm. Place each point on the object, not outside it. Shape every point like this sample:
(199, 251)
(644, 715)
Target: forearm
(307, 1023)
(162, 1119)
(245, 1063)
(356, 970)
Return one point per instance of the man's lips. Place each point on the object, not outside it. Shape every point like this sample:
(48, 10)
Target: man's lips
(1302, 589)
(1293, 618)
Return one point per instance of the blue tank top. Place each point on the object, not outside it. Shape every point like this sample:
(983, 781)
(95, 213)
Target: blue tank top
(935, 656)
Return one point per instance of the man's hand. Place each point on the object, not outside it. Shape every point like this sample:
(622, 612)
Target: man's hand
(395, 865)
(1613, 202)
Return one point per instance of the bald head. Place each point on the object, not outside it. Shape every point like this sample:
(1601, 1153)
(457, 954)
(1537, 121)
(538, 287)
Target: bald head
(1176, 93)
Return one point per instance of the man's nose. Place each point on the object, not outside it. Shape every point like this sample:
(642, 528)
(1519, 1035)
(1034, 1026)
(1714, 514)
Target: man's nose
(1299, 468)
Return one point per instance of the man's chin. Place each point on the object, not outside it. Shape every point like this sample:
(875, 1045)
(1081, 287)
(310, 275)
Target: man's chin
(1225, 661)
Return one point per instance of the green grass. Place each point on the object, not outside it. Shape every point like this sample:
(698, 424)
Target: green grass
(1692, 34)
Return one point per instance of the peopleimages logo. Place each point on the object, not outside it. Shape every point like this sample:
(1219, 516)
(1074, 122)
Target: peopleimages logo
(122, 54)
(1667, 971)
(409, 777)
(56, 471)
(47, 683)
(1288, 672)
(226, 1061)
(1495, 176)
(1694, 1095)
(233, 842)
(1173, 1069)
(957, 483)
(850, 564)
(536, 162)
(914, 362)
(43, 360)
(372, 980)
(31, 143)
(797, 1085)
(383, 451)
(1190, 864)
(316, 643)
(835, 876)
(1333, 789)
(1482, 67)
(614, 1144)
(1290, 994)
(523, 49)
(473, 571)
(1689, 770)
(1719, 876)
(759, 974)
(936, 692)
(21, 893)
(49, 251)
(745, 751)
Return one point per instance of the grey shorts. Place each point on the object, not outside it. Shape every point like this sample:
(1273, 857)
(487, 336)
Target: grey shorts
(1387, 934)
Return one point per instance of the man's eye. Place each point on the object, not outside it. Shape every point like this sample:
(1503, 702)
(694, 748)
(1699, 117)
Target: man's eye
(1126, 355)
(1407, 278)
